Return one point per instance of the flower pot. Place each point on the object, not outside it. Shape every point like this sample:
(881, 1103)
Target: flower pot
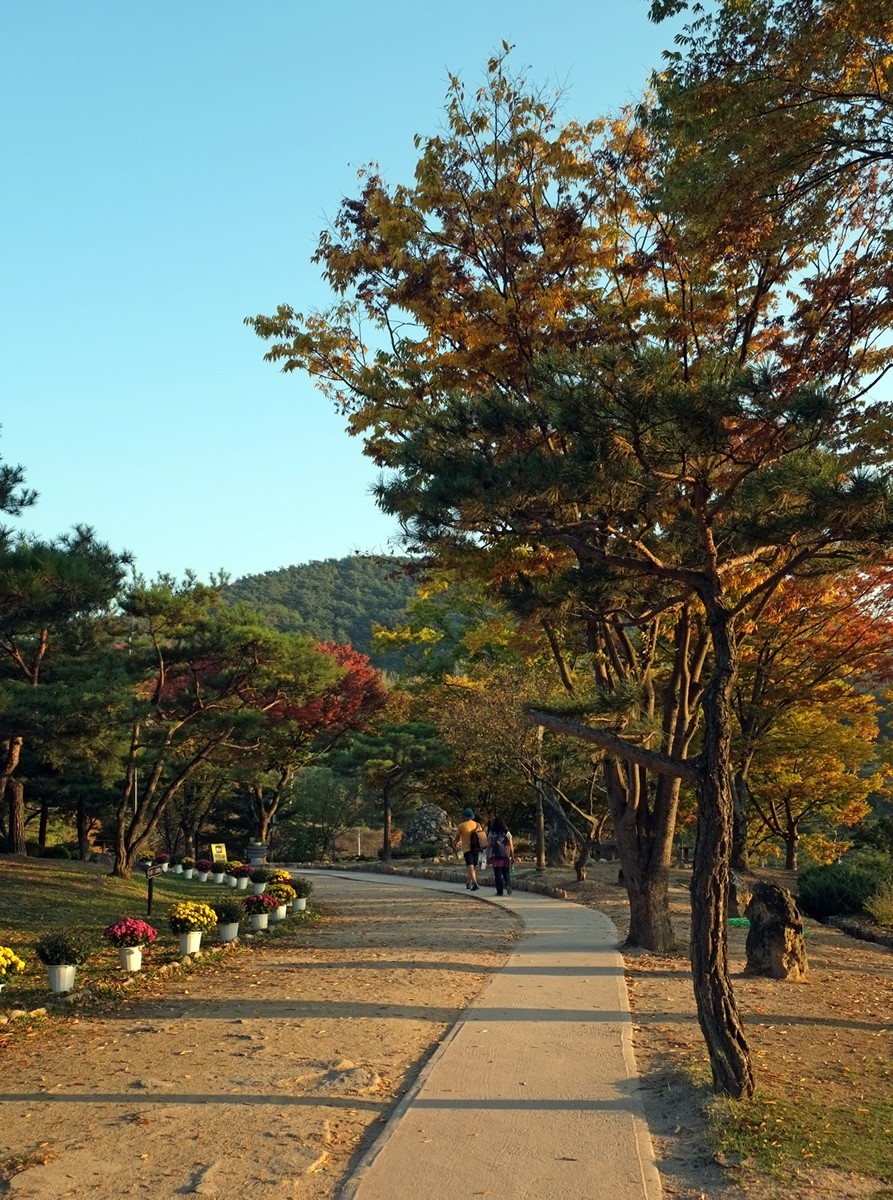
(242, 883)
(164, 867)
(190, 942)
(299, 905)
(259, 920)
(232, 881)
(131, 957)
(258, 888)
(188, 872)
(217, 877)
(177, 868)
(61, 977)
(228, 932)
(202, 876)
(278, 914)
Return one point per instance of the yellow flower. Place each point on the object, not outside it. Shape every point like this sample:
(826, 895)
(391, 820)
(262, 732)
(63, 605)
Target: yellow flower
(9, 961)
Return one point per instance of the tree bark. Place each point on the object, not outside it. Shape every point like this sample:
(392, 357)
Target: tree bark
(42, 825)
(16, 791)
(718, 1014)
(82, 826)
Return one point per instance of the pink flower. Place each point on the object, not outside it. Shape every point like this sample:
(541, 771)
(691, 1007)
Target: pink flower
(130, 931)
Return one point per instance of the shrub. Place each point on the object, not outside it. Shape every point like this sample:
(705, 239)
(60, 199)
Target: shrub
(161, 858)
(187, 863)
(303, 887)
(231, 866)
(204, 864)
(228, 912)
(843, 888)
(261, 903)
(879, 906)
(57, 852)
(279, 876)
(63, 947)
(259, 875)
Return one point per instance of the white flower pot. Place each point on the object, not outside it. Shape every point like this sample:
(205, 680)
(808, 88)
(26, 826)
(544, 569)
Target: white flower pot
(258, 888)
(131, 957)
(232, 881)
(188, 872)
(242, 883)
(259, 920)
(278, 914)
(202, 876)
(190, 942)
(177, 868)
(164, 868)
(300, 904)
(228, 932)
(217, 877)
(62, 977)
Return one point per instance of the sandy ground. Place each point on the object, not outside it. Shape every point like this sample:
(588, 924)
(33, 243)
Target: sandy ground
(261, 1078)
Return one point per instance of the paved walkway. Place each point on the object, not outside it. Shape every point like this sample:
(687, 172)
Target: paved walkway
(533, 1094)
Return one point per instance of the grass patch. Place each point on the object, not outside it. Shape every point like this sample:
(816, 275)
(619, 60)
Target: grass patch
(40, 895)
(781, 1135)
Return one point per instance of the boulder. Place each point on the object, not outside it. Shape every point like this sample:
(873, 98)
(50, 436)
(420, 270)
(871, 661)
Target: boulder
(429, 825)
(775, 939)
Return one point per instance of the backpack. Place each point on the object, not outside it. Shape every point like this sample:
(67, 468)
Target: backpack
(499, 845)
(477, 840)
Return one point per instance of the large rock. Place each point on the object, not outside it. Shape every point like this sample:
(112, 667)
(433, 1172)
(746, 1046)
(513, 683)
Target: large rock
(775, 939)
(429, 825)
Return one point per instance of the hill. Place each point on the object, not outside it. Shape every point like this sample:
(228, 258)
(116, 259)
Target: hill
(337, 599)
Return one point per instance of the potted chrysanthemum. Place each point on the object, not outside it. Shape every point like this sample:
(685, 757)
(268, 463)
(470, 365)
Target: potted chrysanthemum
(259, 877)
(303, 887)
(189, 919)
(188, 866)
(203, 869)
(62, 952)
(243, 876)
(258, 907)
(231, 866)
(229, 914)
(10, 963)
(130, 935)
(284, 893)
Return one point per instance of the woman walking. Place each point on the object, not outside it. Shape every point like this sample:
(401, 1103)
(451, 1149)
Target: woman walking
(501, 855)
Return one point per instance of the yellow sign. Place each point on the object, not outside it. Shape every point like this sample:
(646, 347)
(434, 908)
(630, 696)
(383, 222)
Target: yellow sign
(218, 852)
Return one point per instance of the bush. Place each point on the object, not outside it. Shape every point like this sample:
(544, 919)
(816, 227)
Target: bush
(844, 888)
(63, 947)
(57, 852)
(259, 875)
(416, 850)
(303, 887)
(880, 906)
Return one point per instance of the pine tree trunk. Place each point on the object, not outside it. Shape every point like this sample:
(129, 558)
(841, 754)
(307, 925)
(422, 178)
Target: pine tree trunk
(42, 825)
(16, 791)
(388, 822)
(81, 823)
(740, 857)
(717, 1011)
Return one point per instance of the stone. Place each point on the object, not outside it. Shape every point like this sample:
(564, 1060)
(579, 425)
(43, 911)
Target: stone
(740, 892)
(429, 825)
(775, 945)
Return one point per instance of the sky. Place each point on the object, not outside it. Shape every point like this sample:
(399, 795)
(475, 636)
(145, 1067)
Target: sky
(167, 170)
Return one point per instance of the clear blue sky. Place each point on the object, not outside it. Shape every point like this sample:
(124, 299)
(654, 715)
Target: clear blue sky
(167, 168)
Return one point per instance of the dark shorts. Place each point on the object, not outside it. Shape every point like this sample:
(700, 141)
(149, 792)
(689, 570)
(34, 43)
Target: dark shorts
(471, 857)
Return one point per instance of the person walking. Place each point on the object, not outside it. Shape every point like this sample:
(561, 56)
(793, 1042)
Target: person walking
(470, 837)
(501, 855)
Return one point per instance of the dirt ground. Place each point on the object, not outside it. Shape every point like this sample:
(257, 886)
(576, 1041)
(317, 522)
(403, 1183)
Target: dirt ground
(259, 1079)
(268, 1075)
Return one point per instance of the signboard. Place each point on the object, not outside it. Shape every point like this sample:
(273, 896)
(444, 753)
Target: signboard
(218, 852)
(151, 872)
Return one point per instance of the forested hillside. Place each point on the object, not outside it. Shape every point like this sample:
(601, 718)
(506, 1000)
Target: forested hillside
(338, 599)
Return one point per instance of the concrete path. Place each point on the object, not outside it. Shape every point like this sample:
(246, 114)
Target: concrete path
(533, 1094)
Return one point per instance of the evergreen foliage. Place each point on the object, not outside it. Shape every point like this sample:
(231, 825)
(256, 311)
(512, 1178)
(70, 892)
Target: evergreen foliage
(338, 599)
